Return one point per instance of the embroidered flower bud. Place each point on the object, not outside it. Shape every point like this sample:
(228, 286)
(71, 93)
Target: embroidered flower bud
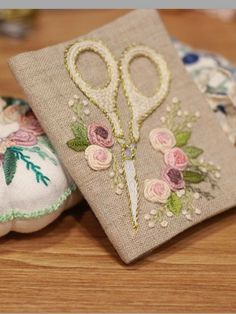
(173, 178)
(156, 191)
(176, 158)
(99, 158)
(162, 139)
(100, 135)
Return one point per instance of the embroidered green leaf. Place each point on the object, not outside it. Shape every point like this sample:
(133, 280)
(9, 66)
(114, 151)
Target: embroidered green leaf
(193, 176)
(192, 151)
(182, 138)
(80, 132)
(9, 166)
(80, 142)
(174, 204)
(77, 145)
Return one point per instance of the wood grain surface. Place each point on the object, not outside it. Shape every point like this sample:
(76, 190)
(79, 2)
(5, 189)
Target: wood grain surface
(70, 266)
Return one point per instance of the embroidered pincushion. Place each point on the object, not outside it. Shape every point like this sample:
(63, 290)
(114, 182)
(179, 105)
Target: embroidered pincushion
(215, 77)
(34, 188)
(145, 158)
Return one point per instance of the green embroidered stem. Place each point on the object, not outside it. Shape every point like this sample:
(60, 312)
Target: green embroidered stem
(41, 153)
(184, 123)
(205, 194)
(171, 115)
(160, 214)
(16, 214)
(78, 109)
(40, 177)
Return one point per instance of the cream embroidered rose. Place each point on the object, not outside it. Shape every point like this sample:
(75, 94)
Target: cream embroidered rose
(99, 158)
(156, 191)
(162, 139)
(100, 135)
(176, 158)
(173, 178)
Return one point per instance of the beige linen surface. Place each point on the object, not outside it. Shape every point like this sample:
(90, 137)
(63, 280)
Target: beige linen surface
(46, 82)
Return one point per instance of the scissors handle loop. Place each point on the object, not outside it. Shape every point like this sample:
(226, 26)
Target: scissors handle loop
(103, 97)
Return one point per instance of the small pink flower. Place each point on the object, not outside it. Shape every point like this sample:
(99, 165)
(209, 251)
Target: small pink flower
(100, 135)
(29, 123)
(173, 178)
(162, 139)
(23, 138)
(156, 191)
(99, 158)
(176, 158)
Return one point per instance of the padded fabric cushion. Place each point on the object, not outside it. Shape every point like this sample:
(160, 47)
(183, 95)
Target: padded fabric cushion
(215, 76)
(34, 188)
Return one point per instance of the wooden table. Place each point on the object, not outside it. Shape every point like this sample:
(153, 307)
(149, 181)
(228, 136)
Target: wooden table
(70, 266)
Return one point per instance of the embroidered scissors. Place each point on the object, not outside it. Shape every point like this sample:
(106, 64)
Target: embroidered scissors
(105, 98)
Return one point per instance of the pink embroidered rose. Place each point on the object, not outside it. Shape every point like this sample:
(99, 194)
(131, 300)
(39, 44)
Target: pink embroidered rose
(100, 135)
(99, 158)
(162, 139)
(23, 138)
(176, 158)
(29, 123)
(173, 178)
(156, 191)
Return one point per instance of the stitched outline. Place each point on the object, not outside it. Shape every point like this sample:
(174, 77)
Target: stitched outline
(16, 214)
(143, 54)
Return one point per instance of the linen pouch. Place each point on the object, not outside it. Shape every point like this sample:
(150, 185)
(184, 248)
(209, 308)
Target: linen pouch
(34, 187)
(136, 135)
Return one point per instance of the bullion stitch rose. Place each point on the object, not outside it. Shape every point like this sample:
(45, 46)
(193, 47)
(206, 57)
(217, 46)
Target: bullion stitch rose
(99, 158)
(23, 138)
(29, 123)
(173, 178)
(162, 139)
(176, 158)
(156, 191)
(100, 135)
